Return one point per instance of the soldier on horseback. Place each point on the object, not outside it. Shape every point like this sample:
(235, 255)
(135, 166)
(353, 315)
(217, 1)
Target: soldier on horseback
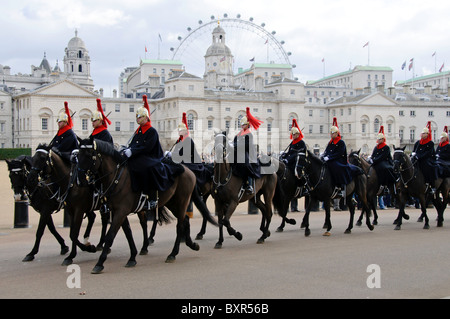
(424, 155)
(443, 155)
(65, 139)
(297, 145)
(382, 162)
(144, 154)
(100, 124)
(245, 162)
(335, 156)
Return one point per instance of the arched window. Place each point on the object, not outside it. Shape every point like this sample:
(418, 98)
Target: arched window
(190, 121)
(80, 68)
(376, 125)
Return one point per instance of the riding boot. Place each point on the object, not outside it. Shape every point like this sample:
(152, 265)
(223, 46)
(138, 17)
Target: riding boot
(343, 191)
(152, 200)
(249, 188)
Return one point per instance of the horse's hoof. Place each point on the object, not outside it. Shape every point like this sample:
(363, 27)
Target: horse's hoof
(238, 236)
(375, 223)
(99, 247)
(307, 232)
(260, 241)
(302, 225)
(143, 252)
(151, 241)
(91, 249)
(279, 230)
(420, 220)
(291, 221)
(327, 234)
(398, 227)
(358, 223)
(67, 262)
(199, 237)
(439, 224)
(370, 227)
(195, 246)
(131, 263)
(170, 259)
(406, 216)
(218, 246)
(28, 258)
(347, 231)
(64, 250)
(97, 270)
(426, 226)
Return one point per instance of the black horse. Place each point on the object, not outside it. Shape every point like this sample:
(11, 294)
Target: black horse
(319, 183)
(412, 183)
(228, 193)
(40, 199)
(99, 158)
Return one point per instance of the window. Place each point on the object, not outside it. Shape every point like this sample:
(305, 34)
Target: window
(349, 128)
(412, 113)
(310, 130)
(190, 121)
(389, 128)
(80, 68)
(210, 108)
(131, 108)
(117, 108)
(191, 88)
(310, 113)
(117, 126)
(44, 124)
(84, 124)
(448, 113)
(363, 128)
(430, 113)
(132, 126)
(400, 113)
(321, 129)
(376, 125)
(292, 92)
(349, 111)
(269, 127)
(269, 110)
(227, 124)
(210, 124)
(400, 134)
(412, 134)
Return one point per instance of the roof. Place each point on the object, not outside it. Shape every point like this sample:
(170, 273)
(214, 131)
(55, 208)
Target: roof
(266, 65)
(421, 78)
(355, 69)
(149, 61)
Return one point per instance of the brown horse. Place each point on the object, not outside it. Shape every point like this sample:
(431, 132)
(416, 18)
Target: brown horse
(412, 183)
(228, 193)
(54, 174)
(99, 158)
(41, 201)
(319, 183)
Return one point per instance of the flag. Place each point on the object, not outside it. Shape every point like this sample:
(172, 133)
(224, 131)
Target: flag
(223, 59)
(323, 59)
(145, 48)
(411, 64)
(434, 53)
(403, 65)
(442, 67)
(365, 44)
(252, 59)
(159, 35)
(266, 41)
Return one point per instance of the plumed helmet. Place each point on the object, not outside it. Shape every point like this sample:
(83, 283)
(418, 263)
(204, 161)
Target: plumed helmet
(99, 115)
(445, 132)
(244, 120)
(427, 129)
(65, 115)
(183, 126)
(334, 128)
(250, 119)
(143, 110)
(381, 133)
(295, 129)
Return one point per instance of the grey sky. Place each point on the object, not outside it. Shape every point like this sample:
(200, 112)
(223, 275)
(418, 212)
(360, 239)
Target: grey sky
(117, 32)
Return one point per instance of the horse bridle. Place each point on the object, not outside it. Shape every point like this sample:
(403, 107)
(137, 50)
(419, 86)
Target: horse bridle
(399, 164)
(219, 183)
(308, 183)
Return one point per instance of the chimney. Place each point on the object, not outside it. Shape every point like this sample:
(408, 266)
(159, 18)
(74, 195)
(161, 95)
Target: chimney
(367, 90)
(427, 89)
(101, 92)
(380, 88)
(391, 90)
(406, 88)
(115, 93)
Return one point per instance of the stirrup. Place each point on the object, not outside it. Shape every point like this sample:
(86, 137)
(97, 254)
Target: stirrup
(152, 204)
(337, 193)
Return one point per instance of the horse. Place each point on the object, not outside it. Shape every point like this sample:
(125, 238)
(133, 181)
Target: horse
(320, 186)
(40, 200)
(228, 193)
(287, 189)
(443, 188)
(51, 171)
(98, 158)
(373, 186)
(412, 183)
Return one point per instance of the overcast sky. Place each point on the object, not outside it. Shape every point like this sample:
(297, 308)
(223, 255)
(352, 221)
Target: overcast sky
(116, 33)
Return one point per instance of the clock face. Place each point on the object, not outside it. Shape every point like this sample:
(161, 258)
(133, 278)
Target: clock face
(215, 64)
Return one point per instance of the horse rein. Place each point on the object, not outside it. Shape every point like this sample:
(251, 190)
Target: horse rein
(306, 176)
(414, 175)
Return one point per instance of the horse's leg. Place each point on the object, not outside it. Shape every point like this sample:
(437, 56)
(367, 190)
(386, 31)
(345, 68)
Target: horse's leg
(327, 205)
(423, 208)
(117, 221)
(266, 218)
(129, 235)
(43, 220)
(307, 202)
(226, 221)
(202, 230)
(151, 237)
(305, 221)
(105, 219)
(51, 227)
(401, 200)
(187, 235)
(91, 219)
(351, 209)
(143, 221)
(180, 234)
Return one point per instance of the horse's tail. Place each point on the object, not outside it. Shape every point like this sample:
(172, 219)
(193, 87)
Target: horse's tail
(278, 196)
(163, 216)
(201, 206)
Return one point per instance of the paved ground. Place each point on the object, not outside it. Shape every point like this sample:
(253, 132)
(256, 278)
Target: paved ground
(382, 264)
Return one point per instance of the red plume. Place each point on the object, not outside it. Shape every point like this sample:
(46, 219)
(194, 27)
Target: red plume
(381, 130)
(106, 121)
(144, 98)
(184, 120)
(446, 129)
(295, 124)
(254, 122)
(335, 122)
(69, 118)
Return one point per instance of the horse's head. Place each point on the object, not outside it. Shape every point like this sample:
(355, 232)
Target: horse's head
(220, 147)
(88, 162)
(353, 158)
(400, 159)
(18, 170)
(40, 166)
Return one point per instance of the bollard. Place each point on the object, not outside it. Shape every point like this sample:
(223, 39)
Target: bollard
(21, 214)
(252, 209)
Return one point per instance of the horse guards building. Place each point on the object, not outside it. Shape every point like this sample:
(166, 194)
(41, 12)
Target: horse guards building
(362, 98)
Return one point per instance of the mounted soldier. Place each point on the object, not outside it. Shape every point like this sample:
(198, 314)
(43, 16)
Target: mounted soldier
(65, 140)
(424, 155)
(100, 124)
(297, 145)
(443, 155)
(246, 164)
(335, 156)
(381, 160)
(144, 153)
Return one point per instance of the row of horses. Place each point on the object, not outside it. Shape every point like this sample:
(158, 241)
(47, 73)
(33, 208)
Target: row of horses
(51, 182)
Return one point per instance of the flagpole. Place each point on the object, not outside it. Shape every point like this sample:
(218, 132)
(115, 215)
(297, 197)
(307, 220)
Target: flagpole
(158, 49)
(368, 54)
